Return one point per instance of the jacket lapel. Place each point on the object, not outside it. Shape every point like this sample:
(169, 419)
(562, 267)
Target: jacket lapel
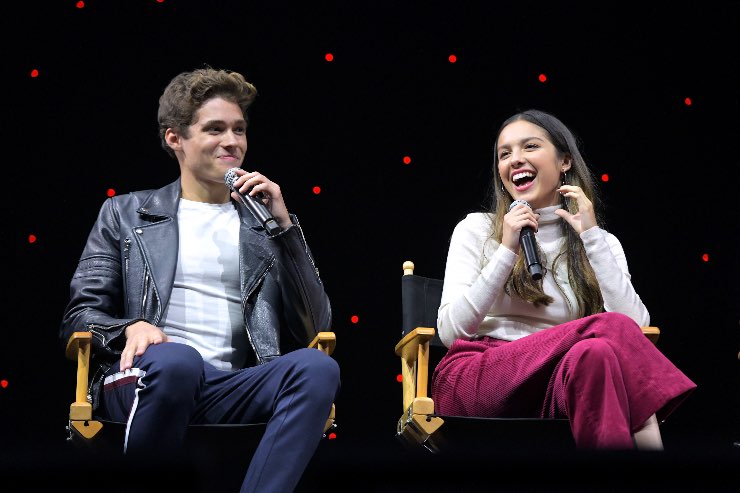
(158, 237)
(255, 256)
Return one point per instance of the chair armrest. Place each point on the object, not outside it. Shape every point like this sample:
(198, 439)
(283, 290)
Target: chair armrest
(324, 341)
(651, 333)
(77, 340)
(407, 348)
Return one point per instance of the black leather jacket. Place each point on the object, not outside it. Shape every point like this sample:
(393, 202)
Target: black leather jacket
(127, 268)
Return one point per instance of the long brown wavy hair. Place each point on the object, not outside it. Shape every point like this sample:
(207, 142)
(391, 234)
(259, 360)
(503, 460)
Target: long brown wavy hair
(580, 274)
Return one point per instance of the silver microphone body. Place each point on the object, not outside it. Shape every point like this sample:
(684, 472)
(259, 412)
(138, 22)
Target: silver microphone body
(254, 204)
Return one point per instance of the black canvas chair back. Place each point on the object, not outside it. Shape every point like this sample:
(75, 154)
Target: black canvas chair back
(421, 297)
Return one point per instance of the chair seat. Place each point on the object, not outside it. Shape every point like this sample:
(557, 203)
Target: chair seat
(465, 434)
(230, 438)
(214, 457)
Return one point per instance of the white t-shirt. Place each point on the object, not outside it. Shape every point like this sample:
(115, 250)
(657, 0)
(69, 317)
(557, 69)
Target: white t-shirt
(205, 308)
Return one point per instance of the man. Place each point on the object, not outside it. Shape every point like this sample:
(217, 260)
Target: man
(198, 313)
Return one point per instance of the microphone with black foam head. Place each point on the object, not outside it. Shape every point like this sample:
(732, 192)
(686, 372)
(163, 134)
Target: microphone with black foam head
(254, 204)
(529, 244)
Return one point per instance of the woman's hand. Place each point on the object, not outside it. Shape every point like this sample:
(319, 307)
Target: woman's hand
(139, 336)
(520, 216)
(586, 217)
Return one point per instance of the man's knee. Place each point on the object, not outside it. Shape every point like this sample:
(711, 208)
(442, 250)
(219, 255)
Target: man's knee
(173, 362)
(314, 360)
(319, 369)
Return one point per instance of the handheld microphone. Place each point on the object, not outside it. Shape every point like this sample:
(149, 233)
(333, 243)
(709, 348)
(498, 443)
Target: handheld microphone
(254, 204)
(529, 245)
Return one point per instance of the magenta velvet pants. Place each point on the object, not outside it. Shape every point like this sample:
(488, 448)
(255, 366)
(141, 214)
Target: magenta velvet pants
(600, 372)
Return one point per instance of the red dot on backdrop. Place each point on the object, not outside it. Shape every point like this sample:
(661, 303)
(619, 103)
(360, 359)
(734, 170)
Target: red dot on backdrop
(452, 58)
(80, 5)
(329, 57)
(354, 319)
(399, 378)
(34, 73)
(542, 78)
(3, 383)
(32, 238)
(605, 177)
(406, 160)
(316, 190)
(332, 436)
(687, 101)
(705, 257)
(110, 192)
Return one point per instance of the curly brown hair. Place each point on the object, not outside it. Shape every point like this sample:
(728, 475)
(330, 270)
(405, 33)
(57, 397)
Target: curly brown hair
(188, 91)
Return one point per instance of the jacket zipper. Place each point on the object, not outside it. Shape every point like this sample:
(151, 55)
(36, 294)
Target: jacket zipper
(147, 282)
(95, 376)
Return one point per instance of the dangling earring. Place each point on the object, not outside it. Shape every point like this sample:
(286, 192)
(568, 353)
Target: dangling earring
(563, 198)
(502, 188)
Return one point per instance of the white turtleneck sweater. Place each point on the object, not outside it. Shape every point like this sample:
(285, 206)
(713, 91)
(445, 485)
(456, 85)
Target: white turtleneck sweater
(474, 303)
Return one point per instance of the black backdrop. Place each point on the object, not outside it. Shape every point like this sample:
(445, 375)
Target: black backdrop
(617, 73)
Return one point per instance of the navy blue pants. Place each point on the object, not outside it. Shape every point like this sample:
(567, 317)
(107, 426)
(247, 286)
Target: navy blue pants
(170, 387)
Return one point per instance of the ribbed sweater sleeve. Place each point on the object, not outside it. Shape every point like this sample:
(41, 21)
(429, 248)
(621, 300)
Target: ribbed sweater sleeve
(469, 290)
(607, 258)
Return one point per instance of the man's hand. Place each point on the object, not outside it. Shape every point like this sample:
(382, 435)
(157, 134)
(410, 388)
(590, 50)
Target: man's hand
(139, 336)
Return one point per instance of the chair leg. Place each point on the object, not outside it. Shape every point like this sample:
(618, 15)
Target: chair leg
(80, 411)
(417, 424)
(87, 429)
(330, 420)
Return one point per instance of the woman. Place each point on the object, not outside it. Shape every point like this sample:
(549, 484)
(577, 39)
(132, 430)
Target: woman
(568, 344)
